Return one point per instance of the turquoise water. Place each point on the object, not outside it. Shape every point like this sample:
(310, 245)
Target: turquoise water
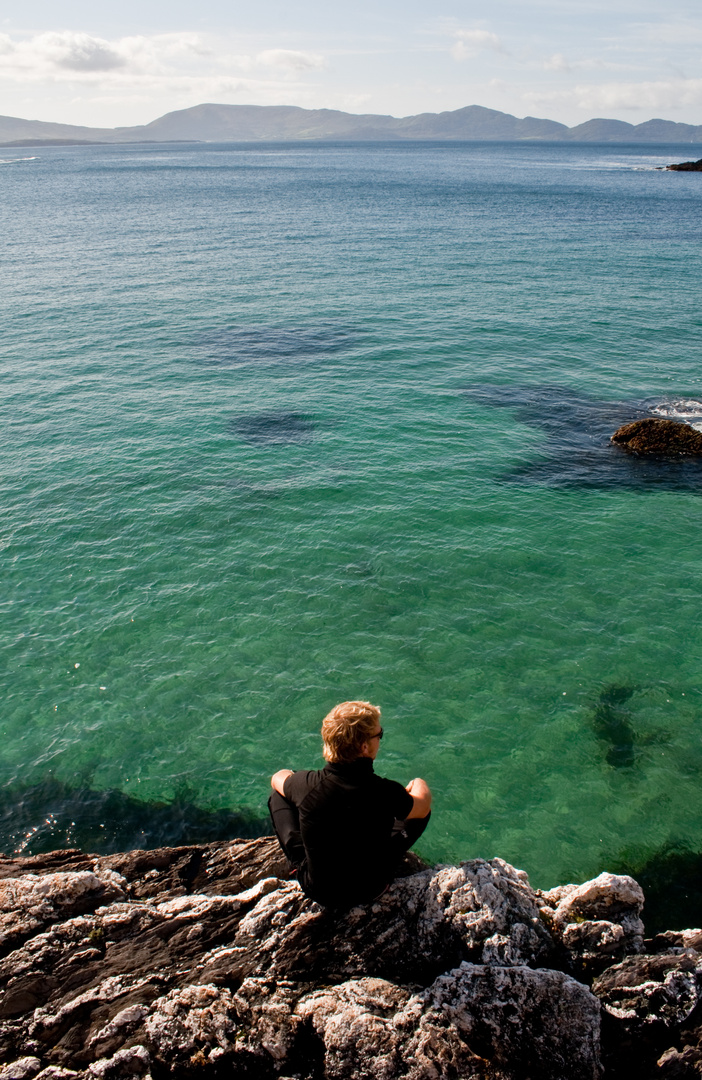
(287, 425)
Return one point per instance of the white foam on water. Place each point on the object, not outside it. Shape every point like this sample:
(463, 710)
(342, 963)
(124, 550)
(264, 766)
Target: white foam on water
(16, 160)
(687, 409)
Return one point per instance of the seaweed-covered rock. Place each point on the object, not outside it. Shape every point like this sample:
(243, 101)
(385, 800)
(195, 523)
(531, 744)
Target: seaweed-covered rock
(659, 437)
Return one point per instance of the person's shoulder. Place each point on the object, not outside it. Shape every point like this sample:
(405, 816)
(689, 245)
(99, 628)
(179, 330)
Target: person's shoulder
(387, 782)
(301, 782)
(393, 789)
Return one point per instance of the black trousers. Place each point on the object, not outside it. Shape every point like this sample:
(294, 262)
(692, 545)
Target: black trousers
(286, 823)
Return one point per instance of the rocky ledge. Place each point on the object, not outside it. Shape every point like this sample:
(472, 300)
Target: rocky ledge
(209, 962)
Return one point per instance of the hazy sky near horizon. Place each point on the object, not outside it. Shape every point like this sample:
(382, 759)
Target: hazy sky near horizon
(128, 63)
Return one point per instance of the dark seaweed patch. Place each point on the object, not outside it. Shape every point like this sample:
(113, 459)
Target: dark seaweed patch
(617, 695)
(232, 346)
(611, 723)
(273, 427)
(576, 448)
(50, 815)
(671, 879)
(359, 570)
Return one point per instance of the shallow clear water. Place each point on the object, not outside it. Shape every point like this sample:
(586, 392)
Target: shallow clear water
(288, 425)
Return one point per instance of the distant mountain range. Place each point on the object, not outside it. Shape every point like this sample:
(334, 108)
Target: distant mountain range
(287, 123)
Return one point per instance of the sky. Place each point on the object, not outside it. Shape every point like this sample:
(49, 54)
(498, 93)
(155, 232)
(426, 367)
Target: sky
(110, 64)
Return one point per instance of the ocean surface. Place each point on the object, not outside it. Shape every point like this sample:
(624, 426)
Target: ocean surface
(284, 425)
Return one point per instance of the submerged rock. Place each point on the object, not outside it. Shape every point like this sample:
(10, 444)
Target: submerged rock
(655, 435)
(208, 961)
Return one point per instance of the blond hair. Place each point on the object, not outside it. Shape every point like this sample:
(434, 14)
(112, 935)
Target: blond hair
(346, 728)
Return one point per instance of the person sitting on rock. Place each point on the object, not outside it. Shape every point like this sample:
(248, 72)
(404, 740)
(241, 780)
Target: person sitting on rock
(343, 828)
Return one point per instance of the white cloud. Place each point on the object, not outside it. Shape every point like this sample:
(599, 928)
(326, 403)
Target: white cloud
(66, 55)
(627, 65)
(661, 95)
(136, 78)
(182, 91)
(290, 59)
(557, 62)
(74, 57)
(162, 49)
(470, 42)
(145, 75)
(649, 99)
(77, 52)
(357, 103)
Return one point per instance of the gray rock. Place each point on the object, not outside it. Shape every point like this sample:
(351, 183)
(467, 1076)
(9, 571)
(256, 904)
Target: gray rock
(523, 1022)
(596, 922)
(33, 901)
(197, 1022)
(55, 1072)
(119, 1028)
(418, 928)
(652, 990)
(671, 940)
(25, 1068)
(650, 1013)
(209, 961)
(126, 1064)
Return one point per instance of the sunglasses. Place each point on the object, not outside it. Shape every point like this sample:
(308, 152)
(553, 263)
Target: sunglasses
(378, 735)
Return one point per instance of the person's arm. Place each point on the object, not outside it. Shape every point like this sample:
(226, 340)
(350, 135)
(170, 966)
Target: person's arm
(278, 780)
(421, 794)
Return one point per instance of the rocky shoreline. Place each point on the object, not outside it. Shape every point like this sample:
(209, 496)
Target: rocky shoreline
(207, 961)
(686, 166)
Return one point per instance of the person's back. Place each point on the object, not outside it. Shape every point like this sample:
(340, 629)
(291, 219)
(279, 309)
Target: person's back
(343, 827)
